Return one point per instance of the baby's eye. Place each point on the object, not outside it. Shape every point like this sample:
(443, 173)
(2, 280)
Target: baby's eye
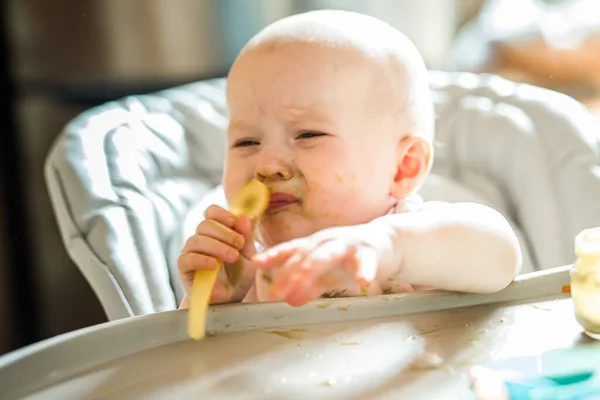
(246, 143)
(309, 135)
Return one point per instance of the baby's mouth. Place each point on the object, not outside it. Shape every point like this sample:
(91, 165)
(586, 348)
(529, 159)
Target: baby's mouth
(280, 200)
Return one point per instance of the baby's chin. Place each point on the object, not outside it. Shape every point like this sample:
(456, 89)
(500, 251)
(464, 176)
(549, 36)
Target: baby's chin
(272, 235)
(277, 229)
(283, 227)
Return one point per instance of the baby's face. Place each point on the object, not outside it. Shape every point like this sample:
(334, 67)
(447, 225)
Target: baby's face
(311, 123)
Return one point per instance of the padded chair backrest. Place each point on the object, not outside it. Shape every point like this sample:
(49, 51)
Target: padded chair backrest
(123, 176)
(534, 149)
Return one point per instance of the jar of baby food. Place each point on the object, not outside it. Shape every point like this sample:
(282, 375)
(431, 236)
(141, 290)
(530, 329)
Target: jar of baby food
(585, 281)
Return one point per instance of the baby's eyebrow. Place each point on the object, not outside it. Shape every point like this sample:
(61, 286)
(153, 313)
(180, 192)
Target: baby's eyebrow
(297, 113)
(239, 127)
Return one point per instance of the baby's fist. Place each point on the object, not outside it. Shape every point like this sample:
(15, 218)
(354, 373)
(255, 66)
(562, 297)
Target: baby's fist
(221, 236)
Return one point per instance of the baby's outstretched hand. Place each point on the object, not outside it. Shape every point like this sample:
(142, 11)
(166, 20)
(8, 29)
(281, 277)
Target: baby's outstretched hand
(334, 259)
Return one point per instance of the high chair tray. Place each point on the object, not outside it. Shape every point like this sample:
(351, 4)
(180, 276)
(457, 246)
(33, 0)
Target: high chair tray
(386, 347)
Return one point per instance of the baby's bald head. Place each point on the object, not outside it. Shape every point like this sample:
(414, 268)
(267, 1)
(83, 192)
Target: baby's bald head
(332, 108)
(400, 82)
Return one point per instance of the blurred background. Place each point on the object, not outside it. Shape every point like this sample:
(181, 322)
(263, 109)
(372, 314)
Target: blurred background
(61, 57)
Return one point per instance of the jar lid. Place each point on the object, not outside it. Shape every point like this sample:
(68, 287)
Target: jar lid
(587, 243)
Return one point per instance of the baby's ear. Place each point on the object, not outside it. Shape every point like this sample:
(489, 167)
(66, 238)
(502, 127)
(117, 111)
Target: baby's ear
(414, 159)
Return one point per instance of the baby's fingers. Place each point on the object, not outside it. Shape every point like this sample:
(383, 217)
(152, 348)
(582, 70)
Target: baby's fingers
(207, 246)
(189, 263)
(216, 230)
(276, 256)
(220, 215)
(318, 271)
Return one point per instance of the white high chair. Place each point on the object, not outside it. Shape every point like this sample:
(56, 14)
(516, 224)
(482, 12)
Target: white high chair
(123, 177)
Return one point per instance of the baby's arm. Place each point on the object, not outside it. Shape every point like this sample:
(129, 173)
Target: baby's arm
(463, 247)
(459, 247)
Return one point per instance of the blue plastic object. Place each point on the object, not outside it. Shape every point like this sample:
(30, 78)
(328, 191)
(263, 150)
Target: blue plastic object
(578, 386)
(565, 374)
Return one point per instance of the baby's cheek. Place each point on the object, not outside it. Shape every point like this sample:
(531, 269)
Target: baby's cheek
(333, 210)
(230, 187)
(327, 218)
(348, 180)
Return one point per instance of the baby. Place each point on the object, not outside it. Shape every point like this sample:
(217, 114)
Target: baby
(332, 111)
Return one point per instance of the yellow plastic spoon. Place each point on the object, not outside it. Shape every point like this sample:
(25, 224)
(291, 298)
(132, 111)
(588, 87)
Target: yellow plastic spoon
(252, 201)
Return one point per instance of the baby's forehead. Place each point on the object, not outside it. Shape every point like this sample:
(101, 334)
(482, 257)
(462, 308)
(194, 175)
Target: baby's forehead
(329, 92)
(313, 66)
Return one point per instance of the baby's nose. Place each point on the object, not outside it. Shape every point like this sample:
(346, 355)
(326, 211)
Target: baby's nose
(274, 167)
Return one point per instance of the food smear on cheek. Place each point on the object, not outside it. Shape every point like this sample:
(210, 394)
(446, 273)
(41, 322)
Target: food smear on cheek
(338, 217)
